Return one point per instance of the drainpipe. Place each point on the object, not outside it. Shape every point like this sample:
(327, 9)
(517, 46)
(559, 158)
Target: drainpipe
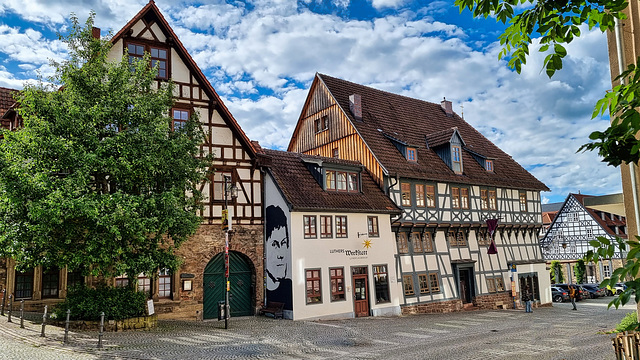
(632, 166)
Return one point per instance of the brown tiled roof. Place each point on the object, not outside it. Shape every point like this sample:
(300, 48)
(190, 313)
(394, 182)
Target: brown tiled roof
(387, 113)
(440, 137)
(6, 103)
(304, 193)
(548, 216)
(607, 221)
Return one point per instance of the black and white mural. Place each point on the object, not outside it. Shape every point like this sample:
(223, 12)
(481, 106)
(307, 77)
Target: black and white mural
(278, 257)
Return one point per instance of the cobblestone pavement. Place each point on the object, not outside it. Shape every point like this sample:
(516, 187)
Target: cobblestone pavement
(547, 333)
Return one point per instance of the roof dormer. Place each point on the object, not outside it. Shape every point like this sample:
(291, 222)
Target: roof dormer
(448, 145)
(487, 163)
(409, 151)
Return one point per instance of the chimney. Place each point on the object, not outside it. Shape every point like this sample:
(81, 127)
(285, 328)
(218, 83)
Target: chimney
(355, 105)
(447, 107)
(95, 32)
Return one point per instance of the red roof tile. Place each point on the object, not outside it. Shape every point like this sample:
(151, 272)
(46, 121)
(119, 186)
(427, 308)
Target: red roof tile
(6, 102)
(414, 121)
(607, 221)
(304, 193)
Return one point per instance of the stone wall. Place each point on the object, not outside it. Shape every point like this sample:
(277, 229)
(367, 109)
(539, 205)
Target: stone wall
(137, 323)
(433, 307)
(501, 300)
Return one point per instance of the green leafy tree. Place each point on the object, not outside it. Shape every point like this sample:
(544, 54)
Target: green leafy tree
(556, 271)
(579, 269)
(96, 176)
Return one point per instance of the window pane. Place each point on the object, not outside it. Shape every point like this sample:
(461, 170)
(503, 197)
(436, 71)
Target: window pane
(139, 50)
(416, 240)
(403, 246)
(162, 54)
(353, 182)
(341, 181)
(406, 194)
(154, 52)
(407, 282)
(431, 196)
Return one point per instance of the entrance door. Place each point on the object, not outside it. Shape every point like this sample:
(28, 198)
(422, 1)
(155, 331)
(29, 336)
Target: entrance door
(240, 285)
(360, 291)
(465, 285)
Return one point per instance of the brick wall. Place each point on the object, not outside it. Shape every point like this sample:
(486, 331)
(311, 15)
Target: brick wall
(433, 307)
(500, 300)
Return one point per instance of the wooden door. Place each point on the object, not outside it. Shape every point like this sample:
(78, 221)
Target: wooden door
(360, 293)
(240, 289)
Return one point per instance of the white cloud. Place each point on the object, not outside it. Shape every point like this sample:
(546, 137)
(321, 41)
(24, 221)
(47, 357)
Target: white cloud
(381, 4)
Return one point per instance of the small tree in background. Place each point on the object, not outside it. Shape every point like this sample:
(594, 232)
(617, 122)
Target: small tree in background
(97, 176)
(579, 269)
(556, 270)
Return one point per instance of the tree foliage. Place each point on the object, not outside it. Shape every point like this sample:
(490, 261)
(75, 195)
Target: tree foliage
(556, 271)
(554, 24)
(607, 249)
(579, 269)
(96, 175)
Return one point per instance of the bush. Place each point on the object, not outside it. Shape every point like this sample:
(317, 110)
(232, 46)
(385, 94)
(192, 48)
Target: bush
(629, 322)
(117, 303)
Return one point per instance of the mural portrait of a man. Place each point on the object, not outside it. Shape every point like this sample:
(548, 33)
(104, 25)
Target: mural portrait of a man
(278, 257)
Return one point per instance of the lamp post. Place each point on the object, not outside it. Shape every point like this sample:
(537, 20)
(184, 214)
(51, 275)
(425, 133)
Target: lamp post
(229, 190)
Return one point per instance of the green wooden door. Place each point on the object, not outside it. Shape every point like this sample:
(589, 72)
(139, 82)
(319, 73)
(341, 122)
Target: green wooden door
(241, 287)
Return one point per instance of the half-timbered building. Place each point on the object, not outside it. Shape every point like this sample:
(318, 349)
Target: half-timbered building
(448, 179)
(329, 248)
(195, 289)
(567, 239)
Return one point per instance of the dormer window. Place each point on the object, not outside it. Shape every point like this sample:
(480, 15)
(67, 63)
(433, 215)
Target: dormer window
(412, 154)
(489, 165)
(341, 181)
(456, 159)
(322, 124)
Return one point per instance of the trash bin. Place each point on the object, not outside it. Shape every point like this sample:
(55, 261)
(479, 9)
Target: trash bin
(221, 310)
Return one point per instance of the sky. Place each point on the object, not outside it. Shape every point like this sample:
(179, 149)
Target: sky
(261, 57)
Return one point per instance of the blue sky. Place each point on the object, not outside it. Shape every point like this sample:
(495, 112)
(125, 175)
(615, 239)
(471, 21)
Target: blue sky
(261, 57)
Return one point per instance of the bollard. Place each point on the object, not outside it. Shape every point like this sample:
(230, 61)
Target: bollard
(10, 308)
(22, 314)
(44, 321)
(66, 327)
(101, 330)
(4, 300)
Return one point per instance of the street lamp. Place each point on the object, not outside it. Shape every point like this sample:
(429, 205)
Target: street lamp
(229, 190)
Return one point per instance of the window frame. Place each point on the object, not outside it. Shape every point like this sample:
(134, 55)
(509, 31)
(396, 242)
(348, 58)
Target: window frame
(434, 278)
(380, 271)
(491, 284)
(148, 47)
(313, 294)
(455, 197)
(430, 196)
(420, 195)
(165, 284)
(493, 200)
(489, 165)
(456, 159)
(416, 242)
(342, 231)
(326, 229)
(407, 285)
(522, 197)
(423, 283)
(464, 198)
(411, 154)
(402, 242)
(50, 283)
(373, 227)
(27, 279)
(454, 238)
(183, 121)
(405, 194)
(337, 294)
(143, 283)
(484, 199)
(427, 239)
(330, 179)
(309, 223)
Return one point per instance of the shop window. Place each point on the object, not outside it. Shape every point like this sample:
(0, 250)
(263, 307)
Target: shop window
(337, 284)
(381, 279)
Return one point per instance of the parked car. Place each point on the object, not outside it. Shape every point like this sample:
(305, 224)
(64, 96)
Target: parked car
(584, 293)
(581, 295)
(619, 288)
(558, 294)
(594, 290)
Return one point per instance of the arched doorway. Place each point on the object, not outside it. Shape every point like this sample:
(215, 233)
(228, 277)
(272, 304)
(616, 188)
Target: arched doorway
(241, 282)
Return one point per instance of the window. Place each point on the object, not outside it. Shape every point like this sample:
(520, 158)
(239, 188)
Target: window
(574, 216)
(352, 179)
(122, 281)
(314, 291)
(491, 285)
(416, 241)
(381, 280)
(523, 201)
(606, 271)
(23, 284)
(406, 194)
(589, 234)
(489, 165)
(499, 283)
(455, 198)
(372, 224)
(159, 57)
(484, 238)
(341, 226)
(164, 283)
(411, 154)
(464, 198)
(428, 242)
(50, 280)
(337, 283)
(74, 279)
(431, 196)
(419, 195)
(179, 118)
(331, 180)
(218, 185)
(326, 227)
(407, 282)
(341, 181)
(310, 227)
(434, 283)
(403, 246)
(336, 153)
(484, 199)
(456, 159)
(456, 238)
(424, 283)
(144, 284)
(493, 204)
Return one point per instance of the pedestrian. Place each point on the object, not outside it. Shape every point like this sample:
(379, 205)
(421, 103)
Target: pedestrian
(573, 292)
(527, 297)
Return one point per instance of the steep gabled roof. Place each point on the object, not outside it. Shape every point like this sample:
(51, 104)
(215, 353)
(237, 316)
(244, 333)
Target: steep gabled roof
(7, 103)
(303, 192)
(417, 120)
(152, 13)
(604, 223)
(441, 137)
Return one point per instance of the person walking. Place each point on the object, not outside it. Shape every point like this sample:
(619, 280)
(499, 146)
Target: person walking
(527, 297)
(573, 293)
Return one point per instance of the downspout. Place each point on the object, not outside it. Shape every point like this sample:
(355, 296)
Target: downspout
(632, 166)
